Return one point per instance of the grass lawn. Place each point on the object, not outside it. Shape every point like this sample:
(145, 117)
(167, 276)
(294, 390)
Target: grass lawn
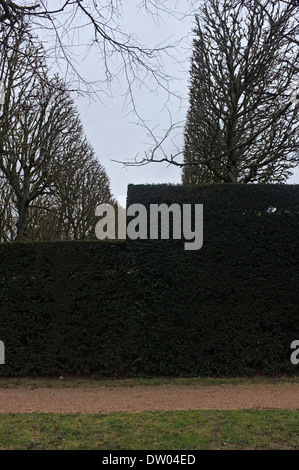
(74, 382)
(168, 430)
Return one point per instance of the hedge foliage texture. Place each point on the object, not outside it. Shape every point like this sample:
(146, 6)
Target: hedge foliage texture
(129, 308)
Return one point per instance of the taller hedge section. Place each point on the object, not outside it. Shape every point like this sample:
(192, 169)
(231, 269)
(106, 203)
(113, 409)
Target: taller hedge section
(150, 307)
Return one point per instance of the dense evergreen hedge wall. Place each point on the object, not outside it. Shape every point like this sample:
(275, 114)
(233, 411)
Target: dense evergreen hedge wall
(229, 207)
(150, 307)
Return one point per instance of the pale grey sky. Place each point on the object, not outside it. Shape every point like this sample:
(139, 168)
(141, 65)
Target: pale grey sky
(113, 133)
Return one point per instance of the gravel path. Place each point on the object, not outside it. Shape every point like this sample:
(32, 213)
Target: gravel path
(140, 398)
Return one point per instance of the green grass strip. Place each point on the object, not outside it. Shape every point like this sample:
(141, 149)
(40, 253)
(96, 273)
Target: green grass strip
(75, 382)
(168, 430)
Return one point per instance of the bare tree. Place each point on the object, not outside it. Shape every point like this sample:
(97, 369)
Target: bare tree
(8, 214)
(50, 179)
(241, 124)
(80, 183)
(38, 114)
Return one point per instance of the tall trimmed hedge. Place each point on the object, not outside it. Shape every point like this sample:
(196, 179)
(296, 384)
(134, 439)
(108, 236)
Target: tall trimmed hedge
(150, 307)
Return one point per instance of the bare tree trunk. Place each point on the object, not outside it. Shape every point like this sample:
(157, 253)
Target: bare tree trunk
(233, 171)
(23, 206)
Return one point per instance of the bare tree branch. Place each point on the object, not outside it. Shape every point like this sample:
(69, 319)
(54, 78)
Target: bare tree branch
(241, 124)
(40, 131)
(66, 28)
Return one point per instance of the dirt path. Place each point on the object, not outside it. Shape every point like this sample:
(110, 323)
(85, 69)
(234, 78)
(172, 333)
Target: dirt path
(139, 398)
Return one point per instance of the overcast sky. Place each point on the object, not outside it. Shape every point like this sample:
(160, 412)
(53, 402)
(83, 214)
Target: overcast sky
(112, 132)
